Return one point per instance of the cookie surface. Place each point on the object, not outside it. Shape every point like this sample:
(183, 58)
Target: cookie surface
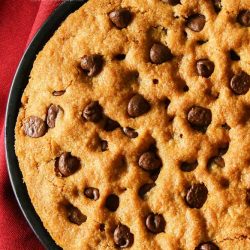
(134, 127)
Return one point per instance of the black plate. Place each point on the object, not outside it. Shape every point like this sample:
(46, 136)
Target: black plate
(18, 85)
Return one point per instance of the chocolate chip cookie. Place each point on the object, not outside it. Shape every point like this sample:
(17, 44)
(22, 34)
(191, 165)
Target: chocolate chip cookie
(133, 130)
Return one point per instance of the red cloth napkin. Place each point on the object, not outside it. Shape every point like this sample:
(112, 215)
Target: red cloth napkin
(19, 20)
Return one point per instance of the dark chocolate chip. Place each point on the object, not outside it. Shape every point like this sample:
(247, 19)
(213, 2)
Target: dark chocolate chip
(154, 174)
(207, 246)
(233, 55)
(196, 22)
(225, 126)
(188, 166)
(155, 81)
(150, 161)
(104, 145)
(112, 202)
(137, 106)
(222, 150)
(92, 193)
(217, 5)
(224, 182)
(51, 115)
(119, 57)
(145, 188)
(93, 112)
(196, 195)
(160, 53)
(155, 223)
(199, 117)
(121, 18)
(172, 2)
(130, 132)
(110, 124)
(248, 197)
(240, 83)
(102, 227)
(92, 64)
(58, 93)
(200, 42)
(34, 127)
(75, 216)
(204, 67)
(244, 18)
(66, 165)
(123, 238)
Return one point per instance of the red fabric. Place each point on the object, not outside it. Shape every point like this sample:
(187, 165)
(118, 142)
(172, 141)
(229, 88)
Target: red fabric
(19, 20)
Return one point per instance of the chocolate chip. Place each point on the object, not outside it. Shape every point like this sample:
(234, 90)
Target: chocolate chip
(204, 67)
(102, 227)
(248, 197)
(244, 18)
(145, 188)
(104, 145)
(224, 182)
(58, 93)
(217, 5)
(123, 237)
(160, 53)
(240, 83)
(112, 202)
(34, 127)
(121, 18)
(119, 57)
(172, 2)
(200, 42)
(218, 160)
(233, 55)
(155, 223)
(51, 115)
(196, 195)
(222, 150)
(149, 161)
(92, 64)
(199, 117)
(93, 112)
(75, 216)
(188, 167)
(130, 132)
(110, 124)
(92, 193)
(225, 126)
(66, 165)
(207, 246)
(196, 22)
(137, 106)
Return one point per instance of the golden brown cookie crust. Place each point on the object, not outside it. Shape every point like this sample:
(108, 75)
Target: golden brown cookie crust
(224, 217)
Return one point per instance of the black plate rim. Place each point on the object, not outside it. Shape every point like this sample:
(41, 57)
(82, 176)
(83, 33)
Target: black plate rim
(19, 82)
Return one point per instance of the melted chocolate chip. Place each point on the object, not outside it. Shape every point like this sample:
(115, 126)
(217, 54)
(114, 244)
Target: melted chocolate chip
(137, 106)
(248, 197)
(58, 93)
(92, 64)
(75, 216)
(66, 165)
(34, 127)
(196, 22)
(110, 124)
(199, 117)
(145, 188)
(172, 2)
(217, 5)
(196, 195)
(204, 67)
(51, 115)
(244, 18)
(112, 202)
(188, 167)
(92, 193)
(130, 132)
(104, 145)
(150, 161)
(93, 112)
(240, 83)
(160, 53)
(233, 55)
(207, 246)
(121, 18)
(123, 238)
(155, 223)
